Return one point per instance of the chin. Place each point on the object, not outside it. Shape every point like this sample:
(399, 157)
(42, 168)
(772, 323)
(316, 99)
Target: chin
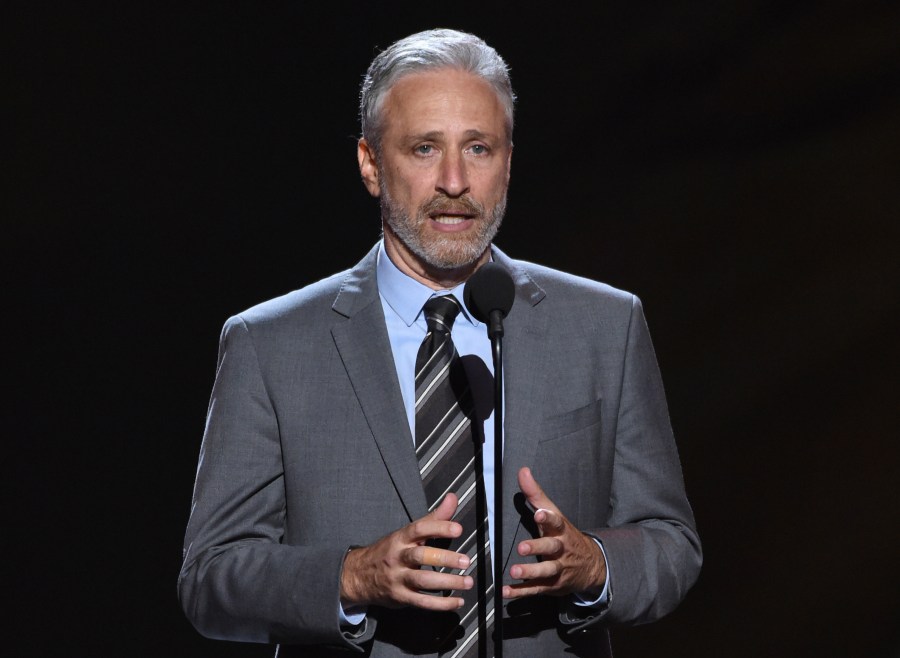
(450, 254)
(444, 251)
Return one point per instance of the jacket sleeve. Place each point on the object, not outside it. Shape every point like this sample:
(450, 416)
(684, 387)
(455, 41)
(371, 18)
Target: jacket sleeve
(238, 580)
(651, 543)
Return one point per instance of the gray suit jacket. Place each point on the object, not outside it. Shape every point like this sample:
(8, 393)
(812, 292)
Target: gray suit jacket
(307, 452)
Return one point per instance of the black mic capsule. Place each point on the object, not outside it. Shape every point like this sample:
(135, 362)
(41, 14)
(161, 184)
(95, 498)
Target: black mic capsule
(489, 295)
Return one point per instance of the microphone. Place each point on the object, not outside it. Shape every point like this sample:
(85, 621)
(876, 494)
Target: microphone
(489, 294)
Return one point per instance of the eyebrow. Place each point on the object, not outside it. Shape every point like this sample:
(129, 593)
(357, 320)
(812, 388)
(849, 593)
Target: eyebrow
(437, 135)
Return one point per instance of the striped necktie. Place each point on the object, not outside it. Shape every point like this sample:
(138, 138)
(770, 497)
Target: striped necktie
(448, 449)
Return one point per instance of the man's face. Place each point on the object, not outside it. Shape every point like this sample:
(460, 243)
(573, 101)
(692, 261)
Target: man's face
(443, 171)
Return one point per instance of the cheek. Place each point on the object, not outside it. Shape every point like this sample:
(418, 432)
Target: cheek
(494, 186)
(412, 187)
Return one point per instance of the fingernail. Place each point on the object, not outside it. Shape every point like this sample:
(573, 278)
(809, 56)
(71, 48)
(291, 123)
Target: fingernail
(463, 562)
(468, 582)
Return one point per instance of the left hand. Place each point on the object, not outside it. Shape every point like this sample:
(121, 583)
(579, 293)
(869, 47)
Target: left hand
(569, 561)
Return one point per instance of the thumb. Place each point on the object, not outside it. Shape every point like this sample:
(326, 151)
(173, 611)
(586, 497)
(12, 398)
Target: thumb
(533, 492)
(446, 509)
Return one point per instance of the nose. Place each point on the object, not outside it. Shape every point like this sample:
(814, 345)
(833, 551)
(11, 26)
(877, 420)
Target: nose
(452, 177)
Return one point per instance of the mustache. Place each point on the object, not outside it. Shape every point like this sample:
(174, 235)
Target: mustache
(444, 205)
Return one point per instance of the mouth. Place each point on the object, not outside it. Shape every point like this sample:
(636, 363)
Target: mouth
(449, 222)
(450, 219)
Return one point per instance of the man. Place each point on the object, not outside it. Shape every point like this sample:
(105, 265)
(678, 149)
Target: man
(312, 525)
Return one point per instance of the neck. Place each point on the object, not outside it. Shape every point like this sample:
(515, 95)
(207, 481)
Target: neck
(433, 277)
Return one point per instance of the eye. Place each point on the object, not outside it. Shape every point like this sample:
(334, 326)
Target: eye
(478, 149)
(424, 149)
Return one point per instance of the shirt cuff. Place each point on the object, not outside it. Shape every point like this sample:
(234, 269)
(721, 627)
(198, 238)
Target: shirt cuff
(588, 599)
(355, 614)
(352, 616)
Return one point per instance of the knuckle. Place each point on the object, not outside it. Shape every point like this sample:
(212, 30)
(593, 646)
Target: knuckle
(421, 579)
(411, 580)
(410, 556)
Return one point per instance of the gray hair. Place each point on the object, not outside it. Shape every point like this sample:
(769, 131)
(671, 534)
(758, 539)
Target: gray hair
(430, 50)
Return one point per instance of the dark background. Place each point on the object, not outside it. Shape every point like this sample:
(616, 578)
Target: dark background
(734, 164)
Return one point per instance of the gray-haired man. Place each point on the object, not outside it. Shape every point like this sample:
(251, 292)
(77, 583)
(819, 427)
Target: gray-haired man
(310, 526)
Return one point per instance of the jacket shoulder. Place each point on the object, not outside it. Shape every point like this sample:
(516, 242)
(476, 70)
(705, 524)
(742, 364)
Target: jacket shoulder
(573, 289)
(312, 301)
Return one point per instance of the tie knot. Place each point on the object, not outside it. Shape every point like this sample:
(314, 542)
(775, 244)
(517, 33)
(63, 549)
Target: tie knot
(440, 312)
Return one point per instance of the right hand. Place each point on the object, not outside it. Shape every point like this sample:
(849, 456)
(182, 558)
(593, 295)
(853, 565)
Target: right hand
(389, 571)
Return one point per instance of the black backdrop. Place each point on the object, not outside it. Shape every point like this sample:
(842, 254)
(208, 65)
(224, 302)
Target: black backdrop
(736, 165)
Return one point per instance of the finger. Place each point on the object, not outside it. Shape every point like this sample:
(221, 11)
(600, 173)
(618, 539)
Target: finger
(533, 492)
(545, 547)
(431, 602)
(424, 529)
(436, 523)
(549, 522)
(530, 588)
(548, 571)
(426, 579)
(446, 509)
(428, 556)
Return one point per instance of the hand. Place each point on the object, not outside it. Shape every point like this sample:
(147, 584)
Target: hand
(570, 561)
(389, 571)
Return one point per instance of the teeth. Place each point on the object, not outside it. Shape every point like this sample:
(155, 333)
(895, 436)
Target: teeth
(444, 219)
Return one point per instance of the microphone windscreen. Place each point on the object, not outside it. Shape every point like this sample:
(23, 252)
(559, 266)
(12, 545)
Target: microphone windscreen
(491, 288)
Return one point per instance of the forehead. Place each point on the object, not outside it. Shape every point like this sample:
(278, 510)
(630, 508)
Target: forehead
(443, 100)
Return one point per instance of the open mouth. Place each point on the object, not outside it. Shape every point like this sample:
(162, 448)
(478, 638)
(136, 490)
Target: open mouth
(450, 220)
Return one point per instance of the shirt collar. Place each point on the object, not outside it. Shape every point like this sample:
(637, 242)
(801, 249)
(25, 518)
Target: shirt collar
(406, 296)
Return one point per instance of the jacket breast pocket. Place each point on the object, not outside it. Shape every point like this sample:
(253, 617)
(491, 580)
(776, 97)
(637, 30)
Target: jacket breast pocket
(572, 464)
(562, 425)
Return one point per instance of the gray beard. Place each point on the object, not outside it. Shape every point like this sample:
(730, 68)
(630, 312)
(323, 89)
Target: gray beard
(443, 252)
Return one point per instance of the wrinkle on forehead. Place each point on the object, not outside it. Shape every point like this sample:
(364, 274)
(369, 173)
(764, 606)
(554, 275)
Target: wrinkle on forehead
(445, 101)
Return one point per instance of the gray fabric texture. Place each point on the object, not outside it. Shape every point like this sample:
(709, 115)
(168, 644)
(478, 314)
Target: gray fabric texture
(307, 452)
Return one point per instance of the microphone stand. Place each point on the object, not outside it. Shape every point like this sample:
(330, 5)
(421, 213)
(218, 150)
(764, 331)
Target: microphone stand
(495, 332)
(489, 294)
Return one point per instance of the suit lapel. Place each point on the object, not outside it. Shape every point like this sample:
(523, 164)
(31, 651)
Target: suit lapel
(524, 352)
(365, 350)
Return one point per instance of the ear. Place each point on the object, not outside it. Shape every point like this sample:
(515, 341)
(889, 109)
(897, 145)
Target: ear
(368, 166)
